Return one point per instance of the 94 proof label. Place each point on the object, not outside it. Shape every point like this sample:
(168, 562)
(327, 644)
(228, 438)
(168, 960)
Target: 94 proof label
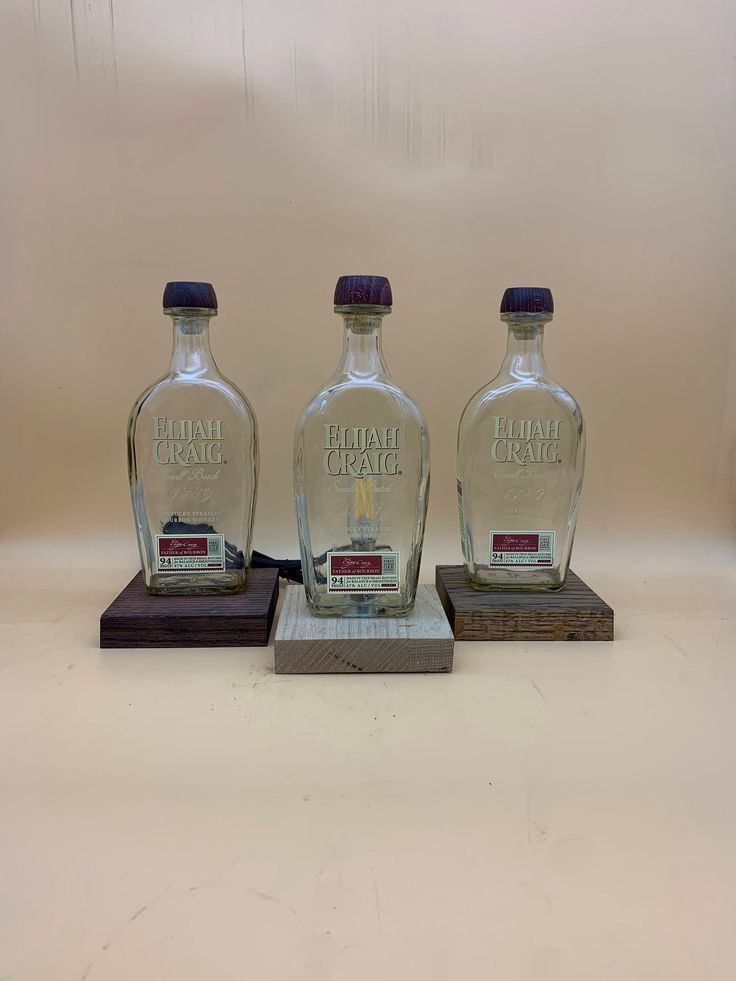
(521, 549)
(363, 572)
(190, 553)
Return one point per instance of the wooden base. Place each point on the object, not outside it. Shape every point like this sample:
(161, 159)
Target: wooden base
(574, 612)
(137, 619)
(305, 644)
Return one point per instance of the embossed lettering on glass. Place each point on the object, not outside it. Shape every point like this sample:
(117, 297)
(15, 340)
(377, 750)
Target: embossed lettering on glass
(521, 454)
(193, 462)
(361, 473)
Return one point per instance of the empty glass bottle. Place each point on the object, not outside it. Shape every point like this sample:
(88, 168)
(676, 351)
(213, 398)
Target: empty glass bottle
(521, 453)
(193, 461)
(361, 473)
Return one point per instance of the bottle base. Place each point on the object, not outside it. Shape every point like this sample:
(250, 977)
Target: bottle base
(359, 607)
(493, 582)
(197, 585)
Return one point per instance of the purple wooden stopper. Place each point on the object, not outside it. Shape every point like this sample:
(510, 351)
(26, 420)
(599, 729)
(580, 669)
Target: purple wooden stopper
(373, 290)
(196, 295)
(527, 299)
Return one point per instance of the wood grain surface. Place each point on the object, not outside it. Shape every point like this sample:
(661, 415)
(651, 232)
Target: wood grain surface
(574, 612)
(306, 644)
(137, 619)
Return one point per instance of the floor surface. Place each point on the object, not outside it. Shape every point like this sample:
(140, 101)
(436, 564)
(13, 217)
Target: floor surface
(548, 812)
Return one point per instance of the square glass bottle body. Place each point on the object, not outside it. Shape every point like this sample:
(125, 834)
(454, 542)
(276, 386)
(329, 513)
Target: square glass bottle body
(361, 475)
(193, 467)
(521, 452)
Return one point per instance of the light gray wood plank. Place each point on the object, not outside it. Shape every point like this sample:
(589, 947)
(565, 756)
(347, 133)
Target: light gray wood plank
(306, 644)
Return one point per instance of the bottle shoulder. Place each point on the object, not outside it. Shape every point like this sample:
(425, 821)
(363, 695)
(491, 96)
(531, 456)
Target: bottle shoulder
(171, 393)
(346, 396)
(532, 397)
(173, 386)
(145, 397)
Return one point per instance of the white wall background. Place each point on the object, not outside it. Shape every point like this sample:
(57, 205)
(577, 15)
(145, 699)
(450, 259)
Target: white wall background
(456, 147)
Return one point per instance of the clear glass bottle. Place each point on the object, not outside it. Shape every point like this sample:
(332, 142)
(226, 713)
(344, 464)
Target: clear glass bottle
(193, 462)
(521, 453)
(361, 473)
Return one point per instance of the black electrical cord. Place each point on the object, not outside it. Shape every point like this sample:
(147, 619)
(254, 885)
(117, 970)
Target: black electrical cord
(290, 569)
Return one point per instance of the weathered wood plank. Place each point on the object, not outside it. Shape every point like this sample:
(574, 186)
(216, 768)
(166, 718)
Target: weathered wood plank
(574, 612)
(306, 644)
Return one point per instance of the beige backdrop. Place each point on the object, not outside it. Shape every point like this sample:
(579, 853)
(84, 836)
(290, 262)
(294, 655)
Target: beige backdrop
(456, 147)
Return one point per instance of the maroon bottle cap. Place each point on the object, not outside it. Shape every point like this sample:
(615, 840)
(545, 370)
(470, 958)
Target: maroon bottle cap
(527, 299)
(187, 294)
(366, 290)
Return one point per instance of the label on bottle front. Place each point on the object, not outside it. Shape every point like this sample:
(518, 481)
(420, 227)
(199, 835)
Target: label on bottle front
(190, 553)
(461, 515)
(527, 549)
(363, 572)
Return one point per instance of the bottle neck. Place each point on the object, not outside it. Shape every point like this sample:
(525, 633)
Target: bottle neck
(191, 353)
(524, 355)
(362, 352)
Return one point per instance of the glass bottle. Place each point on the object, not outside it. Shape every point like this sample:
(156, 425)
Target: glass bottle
(521, 453)
(193, 461)
(361, 473)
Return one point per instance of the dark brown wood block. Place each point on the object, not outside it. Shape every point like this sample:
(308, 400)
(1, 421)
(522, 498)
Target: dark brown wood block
(137, 619)
(574, 612)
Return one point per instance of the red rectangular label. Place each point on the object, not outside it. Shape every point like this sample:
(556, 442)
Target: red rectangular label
(182, 546)
(356, 565)
(515, 543)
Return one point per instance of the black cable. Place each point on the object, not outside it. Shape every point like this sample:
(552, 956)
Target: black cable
(290, 569)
